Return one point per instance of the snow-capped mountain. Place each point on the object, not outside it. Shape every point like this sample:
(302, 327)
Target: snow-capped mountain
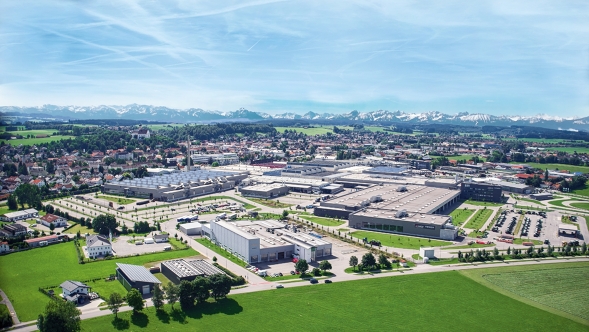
(161, 113)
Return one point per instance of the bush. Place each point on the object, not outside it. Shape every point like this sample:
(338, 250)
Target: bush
(316, 272)
(5, 318)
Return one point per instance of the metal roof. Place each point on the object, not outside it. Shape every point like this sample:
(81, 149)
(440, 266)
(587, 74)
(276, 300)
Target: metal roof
(137, 273)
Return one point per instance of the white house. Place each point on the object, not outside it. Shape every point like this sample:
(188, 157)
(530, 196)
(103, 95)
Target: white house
(141, 133)
(49, 219)
(160, 238)
(98, 245)
(71, 288)
(4, 247)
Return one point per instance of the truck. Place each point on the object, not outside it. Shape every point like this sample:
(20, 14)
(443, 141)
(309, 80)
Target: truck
(232, 216)
(222, 215)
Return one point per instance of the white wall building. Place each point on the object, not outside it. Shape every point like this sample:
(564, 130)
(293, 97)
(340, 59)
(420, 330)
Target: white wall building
(98, 245)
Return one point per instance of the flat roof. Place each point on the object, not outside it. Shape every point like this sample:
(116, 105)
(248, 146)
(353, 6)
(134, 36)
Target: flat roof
(423, 218)
(172, 180)
(280, 237)
(233, 228)
(138, 273)
(191, 225)
(189, 268)
(20, 213)
(289, 180)
(264, 186)
(567, 227)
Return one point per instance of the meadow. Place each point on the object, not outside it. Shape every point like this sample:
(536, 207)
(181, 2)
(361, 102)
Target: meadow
(399, 300)
(573, 149)
(35, 141)
(584, 206)
(398, 241)
(22, 273)
(167, 126)
(582, 192)
(570, 168)
(312, 131)
(324, 221)
(479, 219)
(459, 216)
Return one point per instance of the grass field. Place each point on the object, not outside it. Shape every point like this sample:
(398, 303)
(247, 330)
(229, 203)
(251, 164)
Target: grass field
(374, 129)
(584, 206)
(21, 274)
(220, 251)
(324, 221)
(271, 203)
(459, 216)
(168, 126)
(33, 141)
(34, 132)
(561, 167)
(397, 241)
(312, 131)
(481, 203)
(315, 308)
(582, 192)
(83, 230)
(479, 219)
(116, 199)
(573, 149)
(564, 289)
(538, 140)
(472, 246)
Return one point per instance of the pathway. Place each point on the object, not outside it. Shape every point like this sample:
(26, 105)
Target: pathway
(6, 301)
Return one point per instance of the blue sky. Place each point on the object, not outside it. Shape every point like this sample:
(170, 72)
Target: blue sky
(497, 57)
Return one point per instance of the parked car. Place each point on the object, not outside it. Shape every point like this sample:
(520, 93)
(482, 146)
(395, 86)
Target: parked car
(279, 286)
(310, 206)
(327, 281)
(313, 281)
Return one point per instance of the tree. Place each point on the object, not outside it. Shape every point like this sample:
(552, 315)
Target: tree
(284, 214)
(52, 226)
(59, 315)
(12, 203)
(353, 262)
(158, 297)
(325, 265)
(186, 294)
(384, 261)
(104, 223)
(215, 164)
(171, 293)
(368, 260)
(135, 300)
(302, 266)
(201, 289)
(215, 259)
(220, 285)
(27, 194)
(114, 303)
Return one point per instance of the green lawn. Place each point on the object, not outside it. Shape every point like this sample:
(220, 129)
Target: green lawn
(220, 251)
(584, 206)
(559, 202)
(21, 274)
(520, 241)
(480, 203)
(571, 168)
(398, 241)
(317, 308)
(324, 221)
(168, 126)
(479, 219)
(116, 199)
(472, 246)
(582, 192)
(529, 207)
(459, 216)
(83, 230)
(34, 132)
(34, 141)
(270, 203)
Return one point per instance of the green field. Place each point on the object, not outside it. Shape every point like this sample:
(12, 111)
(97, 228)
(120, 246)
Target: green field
(398, 241)
(34, 141)
(584, 206)
(312, 131)
(34, 132)
(324, 221)
(213, 247)
(578, 149)
(374, 129)
(472, 246)
(520, 241)
(481, 203)
(116, 199)
(82, 229)
(168, 126)
(459, 216)
(564, 289)
(21, 274)
(270, 203)
(479, 219)
(475, 307)
(570, 168)
(582, 192)
(538, 140)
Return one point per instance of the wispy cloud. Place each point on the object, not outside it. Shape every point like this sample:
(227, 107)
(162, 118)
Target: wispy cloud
(492, 56)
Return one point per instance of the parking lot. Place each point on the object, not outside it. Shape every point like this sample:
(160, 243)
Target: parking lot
(123, 248)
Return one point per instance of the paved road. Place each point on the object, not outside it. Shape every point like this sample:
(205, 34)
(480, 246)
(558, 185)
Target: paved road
(6, 301)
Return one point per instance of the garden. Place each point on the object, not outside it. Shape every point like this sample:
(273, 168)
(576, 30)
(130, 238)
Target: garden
(479, 219)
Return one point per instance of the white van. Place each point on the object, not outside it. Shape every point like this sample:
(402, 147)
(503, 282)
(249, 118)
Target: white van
(263, 273)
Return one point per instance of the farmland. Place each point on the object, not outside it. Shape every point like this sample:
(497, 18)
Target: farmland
(479, 219)
(34, 141)
(50, 266)
(398, 241)
(570, 168)
(574, 149)
(459, 216)
(414, 294)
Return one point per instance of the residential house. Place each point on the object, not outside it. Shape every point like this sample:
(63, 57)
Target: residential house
(98, 245)
(4, 247)
(74, 291)
(160, 238)
(38, 182)
(57, 221)
(42, 241)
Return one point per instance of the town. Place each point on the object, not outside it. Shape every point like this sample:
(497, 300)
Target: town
(121, 217)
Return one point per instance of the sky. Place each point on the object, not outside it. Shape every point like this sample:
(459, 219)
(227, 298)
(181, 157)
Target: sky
(496, 57)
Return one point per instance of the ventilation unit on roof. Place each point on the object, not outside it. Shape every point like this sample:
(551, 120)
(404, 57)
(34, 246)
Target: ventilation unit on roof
(401, 214)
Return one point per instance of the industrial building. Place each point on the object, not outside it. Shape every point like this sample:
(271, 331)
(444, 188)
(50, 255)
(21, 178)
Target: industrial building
(265, 190)
(176, 186)
(221, 158)
(19, 215)
(404, 223)
(179, 269)
(191, 228)
(414, 198)
(295, 184)
(481, 192)
(136, 276)
(266, 241)
(541, 196)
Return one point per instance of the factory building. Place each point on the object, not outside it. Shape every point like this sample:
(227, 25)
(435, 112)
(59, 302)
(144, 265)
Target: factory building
(266, 241)
(265, 190)
(176, 186)
(480, 192)
(191, 228)
(179, 269)
(296, 184)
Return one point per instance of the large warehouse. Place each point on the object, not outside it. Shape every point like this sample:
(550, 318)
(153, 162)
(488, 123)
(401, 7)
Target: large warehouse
(266, 241)
(176, 186)
(179, 269)
(412, 198)
(265, 190)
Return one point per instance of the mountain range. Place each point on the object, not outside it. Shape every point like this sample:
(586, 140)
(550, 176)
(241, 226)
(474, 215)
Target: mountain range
(161, 113)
